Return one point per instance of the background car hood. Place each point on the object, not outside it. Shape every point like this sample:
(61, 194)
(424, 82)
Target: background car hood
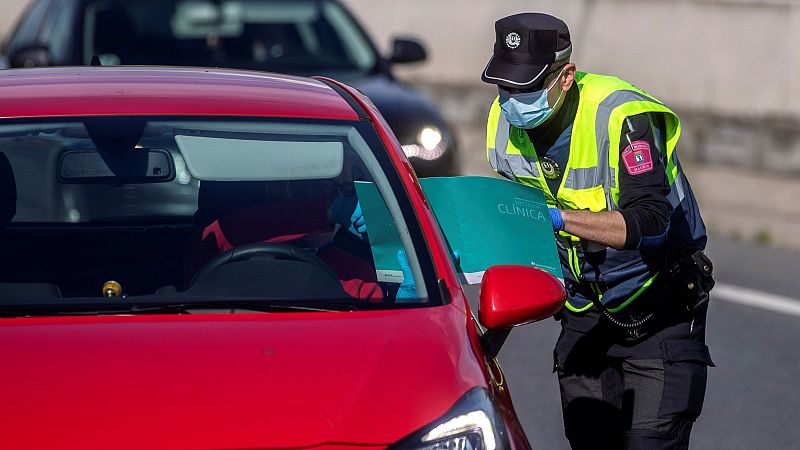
(235, 381)
(404, 108)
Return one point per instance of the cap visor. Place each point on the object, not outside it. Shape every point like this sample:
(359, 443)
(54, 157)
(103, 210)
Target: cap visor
(519, 76)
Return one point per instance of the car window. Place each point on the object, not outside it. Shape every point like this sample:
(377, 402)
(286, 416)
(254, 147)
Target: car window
(297, 36)
(176, 209)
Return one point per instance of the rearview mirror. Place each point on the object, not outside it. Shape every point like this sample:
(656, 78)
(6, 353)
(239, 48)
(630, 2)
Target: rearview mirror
(92, 166)
(515, 295)
(200, 19)
(407, 51)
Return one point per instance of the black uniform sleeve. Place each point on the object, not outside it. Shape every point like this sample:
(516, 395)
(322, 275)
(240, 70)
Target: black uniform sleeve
(643, 183)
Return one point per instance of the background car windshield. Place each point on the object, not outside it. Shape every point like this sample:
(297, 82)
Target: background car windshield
(154, 204)
(297, 36)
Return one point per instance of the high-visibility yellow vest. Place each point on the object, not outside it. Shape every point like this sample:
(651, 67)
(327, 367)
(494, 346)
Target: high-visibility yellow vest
(591, 180)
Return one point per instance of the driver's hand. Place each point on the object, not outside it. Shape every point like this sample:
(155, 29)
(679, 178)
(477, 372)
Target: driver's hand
(347, 212)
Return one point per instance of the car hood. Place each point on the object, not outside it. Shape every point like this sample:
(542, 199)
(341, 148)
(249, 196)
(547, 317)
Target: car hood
(284, 380)
(405, 109)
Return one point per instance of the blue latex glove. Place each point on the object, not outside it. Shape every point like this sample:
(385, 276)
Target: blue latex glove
(346, 211)
(558, 221)
(407, 293)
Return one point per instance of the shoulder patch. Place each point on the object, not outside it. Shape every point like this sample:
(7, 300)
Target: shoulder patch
(637, 158)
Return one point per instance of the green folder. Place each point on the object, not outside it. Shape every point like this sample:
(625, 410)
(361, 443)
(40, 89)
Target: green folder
(383, 236)
(489, 221)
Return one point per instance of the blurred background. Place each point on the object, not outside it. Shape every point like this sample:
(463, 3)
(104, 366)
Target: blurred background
(731, 69)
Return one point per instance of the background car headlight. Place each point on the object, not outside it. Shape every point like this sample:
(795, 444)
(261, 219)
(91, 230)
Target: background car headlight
(430, 145)
(473, 423)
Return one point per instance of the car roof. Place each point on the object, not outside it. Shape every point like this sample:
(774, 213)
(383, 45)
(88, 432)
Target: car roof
(140, 90)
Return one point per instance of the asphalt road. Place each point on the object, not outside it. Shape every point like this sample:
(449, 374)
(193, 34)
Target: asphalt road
(752, 398)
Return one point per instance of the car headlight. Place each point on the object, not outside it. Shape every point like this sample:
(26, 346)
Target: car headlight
(473, 423)
(430, 145)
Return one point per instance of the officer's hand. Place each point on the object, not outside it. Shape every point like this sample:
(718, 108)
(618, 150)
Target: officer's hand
(347, 212)
(555, 217)
(407, 292)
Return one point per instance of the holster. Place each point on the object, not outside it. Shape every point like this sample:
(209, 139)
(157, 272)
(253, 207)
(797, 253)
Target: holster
(690, 276)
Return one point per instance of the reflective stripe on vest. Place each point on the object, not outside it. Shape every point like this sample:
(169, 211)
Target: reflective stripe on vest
(605, 170)
(601, 126)
(522, 162)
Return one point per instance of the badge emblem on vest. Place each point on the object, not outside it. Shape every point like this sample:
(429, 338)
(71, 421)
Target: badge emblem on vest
(513, 40)
(637, 158)
(550, 168)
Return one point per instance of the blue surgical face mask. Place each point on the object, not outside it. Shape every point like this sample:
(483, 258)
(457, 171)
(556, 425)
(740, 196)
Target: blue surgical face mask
(527, 109)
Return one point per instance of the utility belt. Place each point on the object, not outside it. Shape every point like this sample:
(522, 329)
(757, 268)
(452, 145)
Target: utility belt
(633, 317)
(689, 279)
(690, 276)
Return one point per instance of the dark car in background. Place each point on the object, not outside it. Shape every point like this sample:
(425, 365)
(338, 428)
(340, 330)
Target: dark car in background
(301, 37)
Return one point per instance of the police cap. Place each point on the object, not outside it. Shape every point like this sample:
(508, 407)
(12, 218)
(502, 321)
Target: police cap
(526, 46)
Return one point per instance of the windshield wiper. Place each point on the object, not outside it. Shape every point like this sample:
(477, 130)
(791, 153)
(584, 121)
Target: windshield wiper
(188, 307)
(166, 307)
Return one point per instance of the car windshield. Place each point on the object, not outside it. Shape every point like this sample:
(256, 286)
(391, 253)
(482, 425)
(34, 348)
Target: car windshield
(195, 213)
(294, 36)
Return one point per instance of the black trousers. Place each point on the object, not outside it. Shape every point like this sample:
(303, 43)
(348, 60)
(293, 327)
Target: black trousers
(621, 392)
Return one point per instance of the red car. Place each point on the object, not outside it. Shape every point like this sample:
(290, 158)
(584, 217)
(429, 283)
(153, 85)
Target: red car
(185, 263)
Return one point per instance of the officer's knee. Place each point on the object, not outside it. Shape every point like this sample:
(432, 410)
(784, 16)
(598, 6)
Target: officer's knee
(591, 423)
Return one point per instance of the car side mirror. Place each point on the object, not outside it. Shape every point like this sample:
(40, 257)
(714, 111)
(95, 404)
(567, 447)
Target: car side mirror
(516, 295)
(30, 56)
(407, 51)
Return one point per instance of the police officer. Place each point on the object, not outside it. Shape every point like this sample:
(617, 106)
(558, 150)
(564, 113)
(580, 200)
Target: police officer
(631, 358)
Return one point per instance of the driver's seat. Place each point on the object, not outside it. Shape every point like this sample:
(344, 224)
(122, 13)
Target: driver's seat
(233, 214)
(23, 273)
